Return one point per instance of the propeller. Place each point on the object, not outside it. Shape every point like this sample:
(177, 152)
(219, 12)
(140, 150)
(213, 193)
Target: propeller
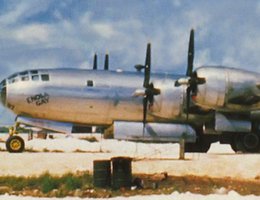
(106, 64)
(150, 91)
(193, 80)
(190, 54)
(191, 83)
(95, 62)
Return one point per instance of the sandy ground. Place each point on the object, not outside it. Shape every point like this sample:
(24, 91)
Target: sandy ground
(174, 196)
(213, 165)
(221, 161)
(78, 155)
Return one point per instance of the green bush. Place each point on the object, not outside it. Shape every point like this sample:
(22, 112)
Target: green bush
(4, 130)
(72, 183)
(46, 182)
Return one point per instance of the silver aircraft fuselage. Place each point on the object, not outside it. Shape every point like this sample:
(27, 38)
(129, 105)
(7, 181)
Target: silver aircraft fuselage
(91, 97)
(95, 97)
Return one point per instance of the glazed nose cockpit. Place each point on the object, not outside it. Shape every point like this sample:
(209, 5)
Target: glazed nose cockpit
(3, 92)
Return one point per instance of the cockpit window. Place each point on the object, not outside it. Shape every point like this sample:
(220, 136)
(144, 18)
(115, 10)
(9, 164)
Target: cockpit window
(24, 73)
(45, 77)
(35, 77)
(13, 78)
(24, 76)
(3, 84)
(16, 79)
(34, 71)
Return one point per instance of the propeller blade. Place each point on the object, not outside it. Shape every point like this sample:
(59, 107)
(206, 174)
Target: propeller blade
(147, 66)
(190, 54)
(188, 91)
(95, 62)
(106, 65)
(148, 55)
(145, 102)
(150, 91)
(139, 67)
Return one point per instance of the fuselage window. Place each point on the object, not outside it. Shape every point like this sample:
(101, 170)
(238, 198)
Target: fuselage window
(90, 83)
(45, 77)
(35, 77)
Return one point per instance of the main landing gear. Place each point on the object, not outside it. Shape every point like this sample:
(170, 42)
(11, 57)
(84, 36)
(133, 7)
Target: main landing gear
(14, 144)
(247, 142)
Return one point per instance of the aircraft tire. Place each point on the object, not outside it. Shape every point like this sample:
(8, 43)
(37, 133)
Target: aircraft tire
(15, 144)
(237, 144)
(251, 142)
(205, 146)
(200, 147)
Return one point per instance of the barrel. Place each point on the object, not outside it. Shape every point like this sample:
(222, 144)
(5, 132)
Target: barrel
(102, 173)
(122, 172)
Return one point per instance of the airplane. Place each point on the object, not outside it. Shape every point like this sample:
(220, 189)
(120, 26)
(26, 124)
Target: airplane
(206, 105)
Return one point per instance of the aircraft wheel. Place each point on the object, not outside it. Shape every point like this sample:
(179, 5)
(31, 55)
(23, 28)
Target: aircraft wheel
(205, 147)
(238, 143)
(15, 144)
(251, 142)
(200, 147)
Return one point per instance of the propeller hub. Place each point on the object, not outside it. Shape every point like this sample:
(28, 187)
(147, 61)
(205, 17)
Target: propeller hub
(149, 91)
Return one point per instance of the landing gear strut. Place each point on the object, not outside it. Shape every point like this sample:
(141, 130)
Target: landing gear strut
(14, 144)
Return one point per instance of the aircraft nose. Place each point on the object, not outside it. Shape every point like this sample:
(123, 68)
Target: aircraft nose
(3, 92)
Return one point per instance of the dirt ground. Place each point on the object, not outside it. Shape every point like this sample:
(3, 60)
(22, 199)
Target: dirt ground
(219, 171)
(203, 185)
(153, 184)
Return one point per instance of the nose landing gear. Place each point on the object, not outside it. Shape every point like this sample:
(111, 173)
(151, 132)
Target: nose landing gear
(14, 144)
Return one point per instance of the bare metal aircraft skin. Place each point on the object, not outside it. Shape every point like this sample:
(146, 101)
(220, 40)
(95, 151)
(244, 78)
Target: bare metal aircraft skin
(209, 104)
(91, 97)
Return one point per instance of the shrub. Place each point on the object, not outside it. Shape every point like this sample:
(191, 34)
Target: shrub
(48, 183)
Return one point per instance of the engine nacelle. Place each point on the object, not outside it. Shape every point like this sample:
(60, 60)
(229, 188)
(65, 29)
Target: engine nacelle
(211, 94)
(154, 132)
(225, 124)
(225, 88)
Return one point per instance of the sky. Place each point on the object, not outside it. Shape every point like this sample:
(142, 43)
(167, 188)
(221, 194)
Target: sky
(53, 34)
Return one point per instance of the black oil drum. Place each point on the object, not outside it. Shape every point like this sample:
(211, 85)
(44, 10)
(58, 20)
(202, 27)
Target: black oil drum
(122, 172)
(102, 173)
